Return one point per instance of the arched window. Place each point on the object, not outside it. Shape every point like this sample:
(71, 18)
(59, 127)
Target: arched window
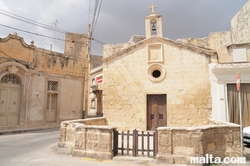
(10, 78)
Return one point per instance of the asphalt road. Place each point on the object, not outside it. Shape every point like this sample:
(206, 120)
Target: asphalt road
(35, 149)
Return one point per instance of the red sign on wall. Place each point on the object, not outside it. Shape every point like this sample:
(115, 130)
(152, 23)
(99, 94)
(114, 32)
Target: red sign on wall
(99, 79)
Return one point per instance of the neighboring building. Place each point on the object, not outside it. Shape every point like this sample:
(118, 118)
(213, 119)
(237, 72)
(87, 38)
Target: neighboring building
(95, 87)
(224, 74)
(38, 87)
(233, 49)
(95, 97)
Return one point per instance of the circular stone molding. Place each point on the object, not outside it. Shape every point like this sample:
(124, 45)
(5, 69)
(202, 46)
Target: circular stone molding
(156, 73)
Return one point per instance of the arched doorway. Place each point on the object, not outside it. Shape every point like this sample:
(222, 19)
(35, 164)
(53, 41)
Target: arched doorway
(10, 92)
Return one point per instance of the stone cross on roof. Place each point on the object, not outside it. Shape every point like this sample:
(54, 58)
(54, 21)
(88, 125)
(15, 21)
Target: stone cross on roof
(153, 8)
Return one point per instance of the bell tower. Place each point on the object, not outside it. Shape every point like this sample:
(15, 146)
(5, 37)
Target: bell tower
(153, 23)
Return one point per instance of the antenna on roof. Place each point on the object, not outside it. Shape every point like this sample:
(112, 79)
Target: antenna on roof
(55, 23)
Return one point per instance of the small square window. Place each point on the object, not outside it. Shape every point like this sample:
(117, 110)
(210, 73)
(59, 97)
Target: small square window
(52, 86)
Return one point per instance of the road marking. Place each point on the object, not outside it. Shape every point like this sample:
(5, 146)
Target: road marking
(95, 160)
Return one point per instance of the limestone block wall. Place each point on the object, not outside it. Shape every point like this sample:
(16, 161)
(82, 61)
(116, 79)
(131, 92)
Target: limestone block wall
(217, 41)
(110, 49)
(36, 98)
(71, 98)
(69, 101)
(56, 63)
(240, 25)
(186, 83)
(94, 141)
(76, 44)
(178, 144)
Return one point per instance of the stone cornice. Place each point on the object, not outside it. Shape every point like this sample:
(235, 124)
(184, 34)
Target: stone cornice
(16, 37)
(231, 68)
(238, 45)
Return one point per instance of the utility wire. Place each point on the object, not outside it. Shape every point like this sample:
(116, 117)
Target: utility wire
(26, 20)
(98, 41)
(3, 12)
(20, 18)
(38, 34)
(96, 15)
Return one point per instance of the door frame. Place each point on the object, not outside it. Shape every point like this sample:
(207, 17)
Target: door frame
(57, 117)
(147, 106)
(25, 76)
(11, 86)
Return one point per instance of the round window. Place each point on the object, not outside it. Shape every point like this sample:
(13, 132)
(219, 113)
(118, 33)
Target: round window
(156, 73)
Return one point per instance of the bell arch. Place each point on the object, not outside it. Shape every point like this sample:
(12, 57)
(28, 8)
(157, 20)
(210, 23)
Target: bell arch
(153, 23)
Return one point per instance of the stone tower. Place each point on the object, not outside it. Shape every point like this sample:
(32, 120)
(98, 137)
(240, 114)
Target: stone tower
(76, 45)
(153, 23)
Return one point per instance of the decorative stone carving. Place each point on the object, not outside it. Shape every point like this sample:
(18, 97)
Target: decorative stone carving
(13, 69)
(10, 79)
(155, 53)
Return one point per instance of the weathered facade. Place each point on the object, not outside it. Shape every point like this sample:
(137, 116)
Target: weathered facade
(38, 87)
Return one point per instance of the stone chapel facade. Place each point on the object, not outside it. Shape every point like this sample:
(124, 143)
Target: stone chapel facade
(40, 88)
(155, 81)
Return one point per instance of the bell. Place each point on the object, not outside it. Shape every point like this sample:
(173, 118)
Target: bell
(153, 27)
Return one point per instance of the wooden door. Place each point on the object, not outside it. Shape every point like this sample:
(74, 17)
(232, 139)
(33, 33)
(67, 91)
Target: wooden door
(14, 106)
(9, 104)
(156, 111)
(3, 107)
(51, 107)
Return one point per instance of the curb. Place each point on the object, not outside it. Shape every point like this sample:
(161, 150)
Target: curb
(26, 130)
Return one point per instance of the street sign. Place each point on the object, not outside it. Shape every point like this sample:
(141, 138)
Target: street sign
(240, 109)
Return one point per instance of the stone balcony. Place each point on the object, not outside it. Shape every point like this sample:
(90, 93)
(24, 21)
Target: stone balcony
(96, 88)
